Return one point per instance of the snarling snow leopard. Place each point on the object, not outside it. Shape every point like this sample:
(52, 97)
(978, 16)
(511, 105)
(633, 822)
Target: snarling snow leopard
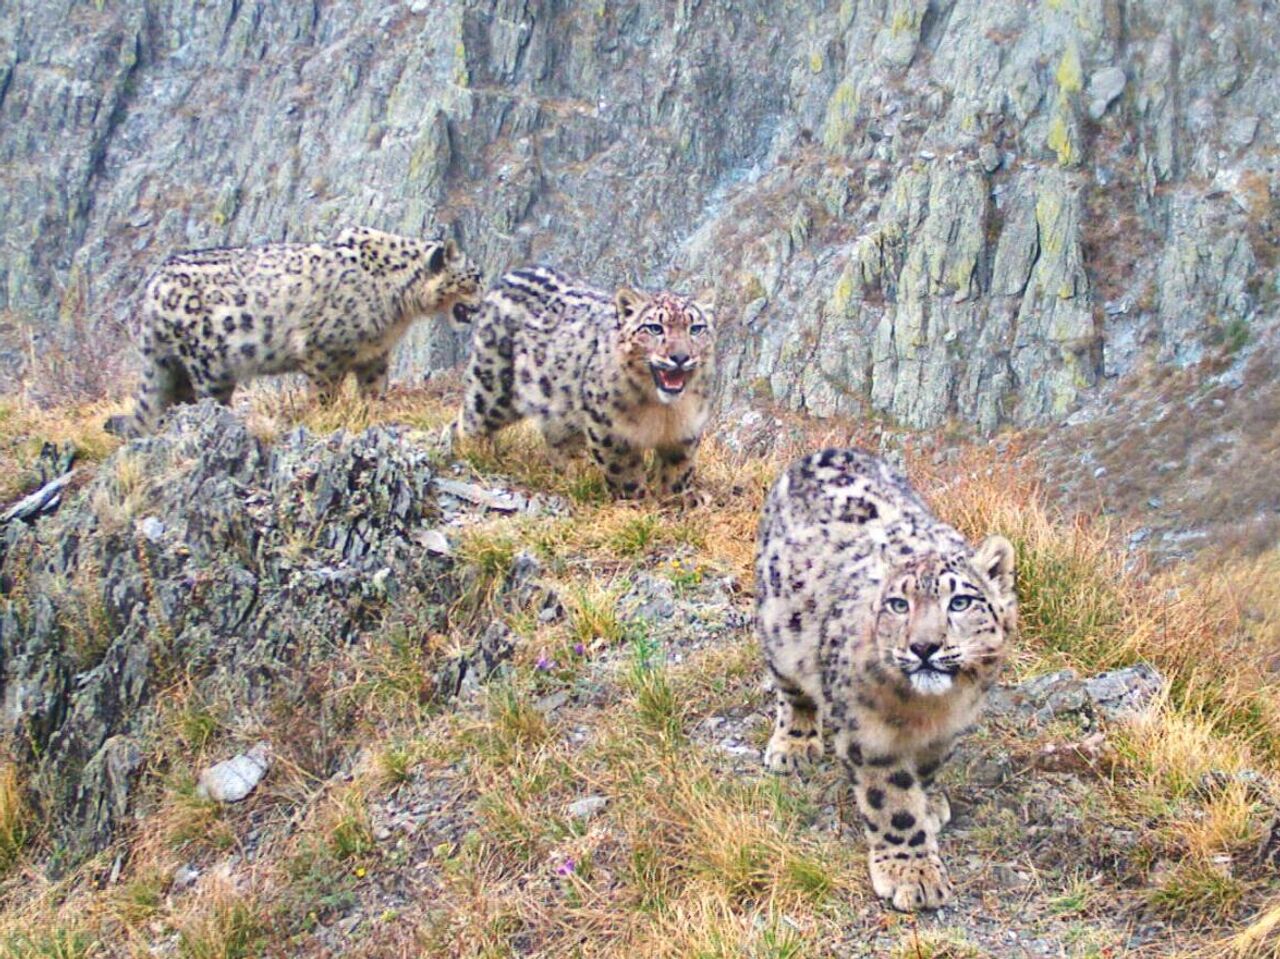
(618, 374)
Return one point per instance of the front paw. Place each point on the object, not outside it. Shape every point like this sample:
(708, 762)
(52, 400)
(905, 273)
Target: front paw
(910, 884)
(688, 498)
(786, 754)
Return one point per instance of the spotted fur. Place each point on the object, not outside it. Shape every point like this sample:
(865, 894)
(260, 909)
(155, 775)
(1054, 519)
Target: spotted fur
(883, 630)
(211, 319)
(617, 374)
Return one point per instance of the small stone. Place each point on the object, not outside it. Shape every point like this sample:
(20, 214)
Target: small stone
(1124, 693)
(1241, 131)
(989, 157)
(588, 807)
(550, 703)
(1067, 698)
(233, 780)
(990, 771)
(1104, 87)
(152, 528)
(651, 599)
(434, 541)
(1007, 877)
(347, 925)
(184, 876)
(525, 568)
(471, 493)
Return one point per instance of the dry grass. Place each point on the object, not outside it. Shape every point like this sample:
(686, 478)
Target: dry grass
(14, 816)
(25, 429)
(693, 856)
(220, 921)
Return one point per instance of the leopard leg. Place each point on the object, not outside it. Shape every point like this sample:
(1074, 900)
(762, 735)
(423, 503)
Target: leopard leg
(562, 439)
(371, 376)
(326, 374)
(164, 383)
(939, 807)
(488, 402)
(797, 736)
(902, 833)
(623, 465)
(927, 765)
(675, 468)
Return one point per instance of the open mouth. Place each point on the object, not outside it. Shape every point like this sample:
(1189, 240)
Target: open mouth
(671, 382)
(463, 313)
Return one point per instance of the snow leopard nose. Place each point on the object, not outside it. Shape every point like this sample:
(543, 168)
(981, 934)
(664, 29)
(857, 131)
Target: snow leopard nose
(925, 650)
(681, 360)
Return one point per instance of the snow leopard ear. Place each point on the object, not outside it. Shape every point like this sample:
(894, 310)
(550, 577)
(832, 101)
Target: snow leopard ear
(436, 262)
(628, 303)
(451, 251)
(994, 559)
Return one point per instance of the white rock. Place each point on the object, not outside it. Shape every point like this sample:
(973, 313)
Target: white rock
(1104, 87)
(434, 541)
(587, 807)
(234, 779)
(185, 876)
(989, 157)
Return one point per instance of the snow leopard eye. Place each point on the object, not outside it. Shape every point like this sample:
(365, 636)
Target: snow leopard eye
(653, 329)
(959, 604)
(697, 329)
(898, 605)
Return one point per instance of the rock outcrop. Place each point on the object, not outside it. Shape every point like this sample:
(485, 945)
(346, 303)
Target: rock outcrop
(201, 565)
(927, 209)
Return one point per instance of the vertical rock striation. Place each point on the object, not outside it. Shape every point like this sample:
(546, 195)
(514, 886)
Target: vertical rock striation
(928, 209)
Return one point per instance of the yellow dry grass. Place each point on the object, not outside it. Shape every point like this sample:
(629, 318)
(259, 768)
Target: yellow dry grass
(690, 858)
(25, 429)
(15, 825)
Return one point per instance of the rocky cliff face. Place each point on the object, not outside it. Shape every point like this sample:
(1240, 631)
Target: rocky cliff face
(976, 209)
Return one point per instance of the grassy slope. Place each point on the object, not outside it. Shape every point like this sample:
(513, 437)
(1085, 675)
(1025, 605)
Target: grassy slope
(449, 834)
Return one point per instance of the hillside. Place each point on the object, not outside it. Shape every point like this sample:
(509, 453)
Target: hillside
(962, 214)
(546, 742)
(1029, 249)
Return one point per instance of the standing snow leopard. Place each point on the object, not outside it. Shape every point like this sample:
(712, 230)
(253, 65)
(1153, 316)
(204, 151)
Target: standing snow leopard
(883, 629)
(211, 319)
(617, 374)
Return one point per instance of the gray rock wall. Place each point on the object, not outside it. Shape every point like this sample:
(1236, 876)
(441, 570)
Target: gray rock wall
(979, 209)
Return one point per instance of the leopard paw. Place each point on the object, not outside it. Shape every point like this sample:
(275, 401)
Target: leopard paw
(787, 753)
(919, 882)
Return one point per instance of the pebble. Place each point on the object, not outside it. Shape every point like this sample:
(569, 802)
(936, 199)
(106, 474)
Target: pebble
(587, 807)
(233, 780)
(1104, 87)
(550, 703)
